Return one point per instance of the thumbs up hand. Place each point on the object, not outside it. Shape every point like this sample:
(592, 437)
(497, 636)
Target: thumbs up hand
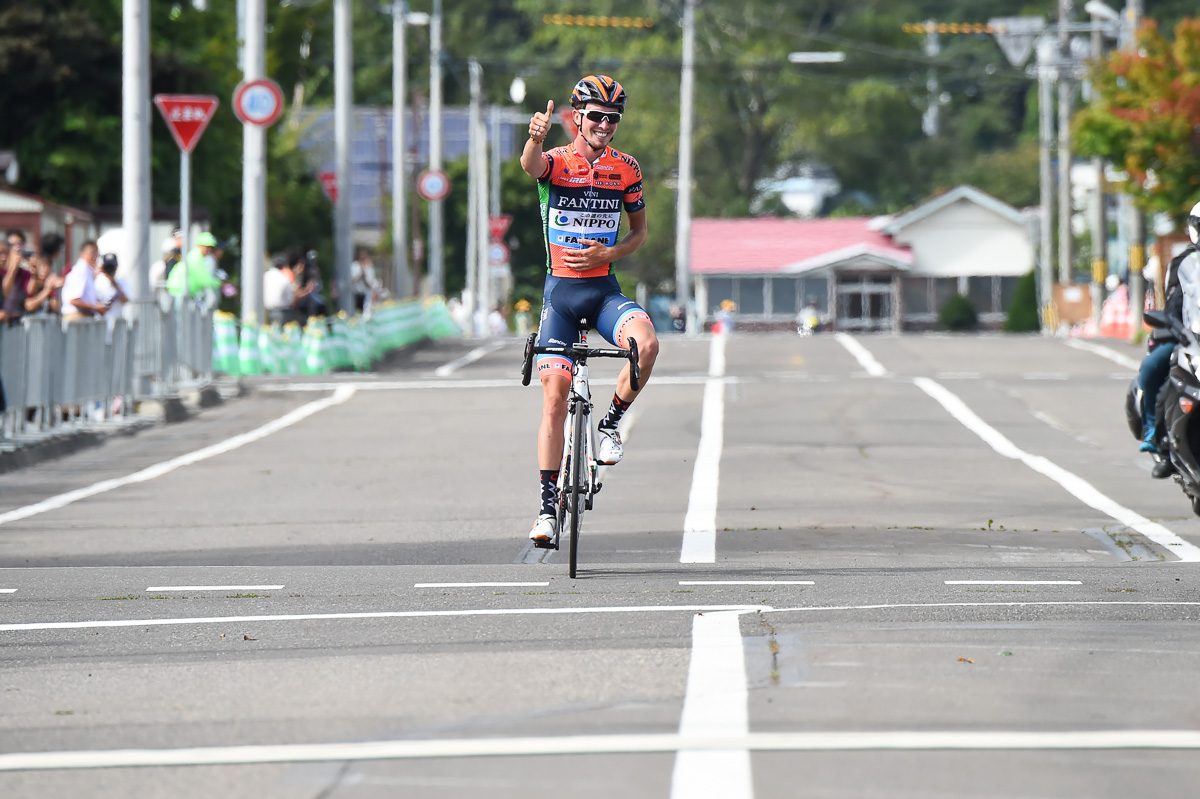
(539, 123)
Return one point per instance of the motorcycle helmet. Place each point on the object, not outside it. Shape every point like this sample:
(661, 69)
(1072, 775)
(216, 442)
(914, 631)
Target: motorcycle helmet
(598, 89)
(1193, 224)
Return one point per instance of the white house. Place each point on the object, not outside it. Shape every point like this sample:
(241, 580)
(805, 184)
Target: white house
(881, 273)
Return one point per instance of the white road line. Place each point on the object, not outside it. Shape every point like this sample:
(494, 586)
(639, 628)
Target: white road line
(215, 588)
(8, 590)
(1045, 376)
(700, 523)
(1013, 582)
(898, 740)
(1072, 483)
(865, 359)
(927, 605)
(1105, 352)
(746, 582)
(471, 357)
(480, 585)
(340, 395)
(383, 614)
(715, 704)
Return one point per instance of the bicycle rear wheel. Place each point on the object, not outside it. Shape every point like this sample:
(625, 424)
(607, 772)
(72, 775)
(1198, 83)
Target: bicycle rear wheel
(578, 472)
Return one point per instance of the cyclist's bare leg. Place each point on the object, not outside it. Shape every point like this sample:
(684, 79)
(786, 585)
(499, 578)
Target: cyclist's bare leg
(641, 331)
(555, 386)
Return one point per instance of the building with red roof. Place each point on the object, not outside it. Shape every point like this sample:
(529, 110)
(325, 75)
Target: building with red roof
(865, 273)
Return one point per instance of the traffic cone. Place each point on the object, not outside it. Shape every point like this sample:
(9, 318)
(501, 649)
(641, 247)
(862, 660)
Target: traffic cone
(225, 343)
(248, 360)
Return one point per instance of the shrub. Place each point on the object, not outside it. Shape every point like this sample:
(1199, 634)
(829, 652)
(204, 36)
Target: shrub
(958, 314)
(1023, 314)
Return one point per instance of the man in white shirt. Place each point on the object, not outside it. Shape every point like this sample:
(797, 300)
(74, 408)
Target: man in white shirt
(79, 291)
(112, 292)
(278, 292)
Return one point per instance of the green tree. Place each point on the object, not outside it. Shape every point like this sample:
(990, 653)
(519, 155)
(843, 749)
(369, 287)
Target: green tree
(1147, 117)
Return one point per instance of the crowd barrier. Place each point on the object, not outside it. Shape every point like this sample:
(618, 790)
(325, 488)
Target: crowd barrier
(57, 373)
(326, 344)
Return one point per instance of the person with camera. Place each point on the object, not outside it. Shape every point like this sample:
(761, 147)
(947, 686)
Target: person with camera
(79, 300)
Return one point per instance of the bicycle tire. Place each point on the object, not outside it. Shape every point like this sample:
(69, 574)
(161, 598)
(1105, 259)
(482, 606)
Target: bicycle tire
(560, 505)
(577, 468)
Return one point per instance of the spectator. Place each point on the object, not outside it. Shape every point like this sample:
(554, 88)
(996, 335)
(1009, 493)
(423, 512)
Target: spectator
(200, 271)
(310, 300)
(161, 269)
(14, 281)
(497, 324)
(678, 318)
(279, 294)
(42, 295)
(363, 280)
(111, 291)
(79, 300)
(524, 318)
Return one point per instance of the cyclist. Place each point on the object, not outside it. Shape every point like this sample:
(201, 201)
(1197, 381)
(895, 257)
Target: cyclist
(582, 187)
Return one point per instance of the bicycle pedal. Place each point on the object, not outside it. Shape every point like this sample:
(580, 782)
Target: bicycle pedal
(547, 544)
(598, 487)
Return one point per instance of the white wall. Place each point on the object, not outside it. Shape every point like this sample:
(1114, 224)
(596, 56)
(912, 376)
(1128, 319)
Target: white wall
(966, 239)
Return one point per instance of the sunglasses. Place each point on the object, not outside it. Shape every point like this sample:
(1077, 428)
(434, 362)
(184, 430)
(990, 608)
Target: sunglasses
(599, 116)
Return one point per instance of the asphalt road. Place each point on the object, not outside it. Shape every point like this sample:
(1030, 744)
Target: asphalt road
(914, 566)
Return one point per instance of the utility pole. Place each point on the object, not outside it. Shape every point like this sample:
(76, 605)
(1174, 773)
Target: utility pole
(343, 114)
(254, 182)
(483, 282)
(1137, 228)
(436, 266)
(401, 277)
(930, 119)
(1046, 55)
(471, 295)
(1099, 219)
(683, 202)
(1065, 97)
(135, 166)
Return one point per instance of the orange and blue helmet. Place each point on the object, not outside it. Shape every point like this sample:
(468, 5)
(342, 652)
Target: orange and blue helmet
(599, 89)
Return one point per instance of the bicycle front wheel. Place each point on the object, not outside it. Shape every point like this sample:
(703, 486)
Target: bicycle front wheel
(578, 469)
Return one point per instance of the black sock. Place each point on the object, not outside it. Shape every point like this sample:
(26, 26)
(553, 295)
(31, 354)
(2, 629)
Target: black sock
(615, 411)
(549, 482)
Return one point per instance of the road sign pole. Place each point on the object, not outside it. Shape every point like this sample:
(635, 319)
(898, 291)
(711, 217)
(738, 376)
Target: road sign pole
(185, 216)
(254, 182)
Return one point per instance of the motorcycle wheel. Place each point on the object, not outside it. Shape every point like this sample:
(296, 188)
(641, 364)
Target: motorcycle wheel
(1196, 505)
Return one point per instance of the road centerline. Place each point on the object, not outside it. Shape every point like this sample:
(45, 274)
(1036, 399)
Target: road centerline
(700, 522)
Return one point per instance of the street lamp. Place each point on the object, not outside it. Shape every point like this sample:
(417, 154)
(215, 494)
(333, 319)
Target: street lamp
(822, 57)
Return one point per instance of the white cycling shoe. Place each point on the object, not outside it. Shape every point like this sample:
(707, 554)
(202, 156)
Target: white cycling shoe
(543, 530)
(609, 451)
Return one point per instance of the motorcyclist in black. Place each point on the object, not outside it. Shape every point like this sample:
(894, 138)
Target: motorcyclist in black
(1157, 364)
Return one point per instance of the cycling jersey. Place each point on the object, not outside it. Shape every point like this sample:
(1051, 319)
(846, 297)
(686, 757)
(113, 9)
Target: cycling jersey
(584, 201)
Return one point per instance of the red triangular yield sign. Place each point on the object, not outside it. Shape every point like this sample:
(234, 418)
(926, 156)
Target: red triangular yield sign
(187, 116)
(329, 184)
(498, 225)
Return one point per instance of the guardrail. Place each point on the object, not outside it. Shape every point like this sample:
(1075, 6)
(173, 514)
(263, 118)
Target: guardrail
(60, 374)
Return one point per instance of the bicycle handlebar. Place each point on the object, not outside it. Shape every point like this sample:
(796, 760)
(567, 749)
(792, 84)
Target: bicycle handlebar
(582, 353)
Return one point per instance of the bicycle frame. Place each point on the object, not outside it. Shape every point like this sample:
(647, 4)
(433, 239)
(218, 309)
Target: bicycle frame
(579, 411)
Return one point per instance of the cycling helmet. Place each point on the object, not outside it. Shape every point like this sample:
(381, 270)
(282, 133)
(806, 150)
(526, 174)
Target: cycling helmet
(1193, 224)
(599, 89)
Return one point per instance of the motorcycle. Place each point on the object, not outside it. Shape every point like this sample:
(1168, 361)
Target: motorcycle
(1178, 429)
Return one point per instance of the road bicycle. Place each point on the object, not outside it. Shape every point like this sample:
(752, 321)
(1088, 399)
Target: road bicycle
(577, 484)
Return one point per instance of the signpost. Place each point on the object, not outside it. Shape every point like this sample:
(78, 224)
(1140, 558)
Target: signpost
(433, 185)
(258, 102)
(329, 184)
(498, 225)
(186, 115)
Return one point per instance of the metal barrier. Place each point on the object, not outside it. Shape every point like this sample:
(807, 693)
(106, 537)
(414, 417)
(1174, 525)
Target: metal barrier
(56, 374)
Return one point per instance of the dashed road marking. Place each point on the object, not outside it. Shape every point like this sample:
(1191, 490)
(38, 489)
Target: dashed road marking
(1105, 352)
(865, 359)
(8, 590)
(746, 582)
(215, 588)
(481, 585)
(1013, 582)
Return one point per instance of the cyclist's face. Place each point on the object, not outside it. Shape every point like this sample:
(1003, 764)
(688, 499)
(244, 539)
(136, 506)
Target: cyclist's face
(598, 132)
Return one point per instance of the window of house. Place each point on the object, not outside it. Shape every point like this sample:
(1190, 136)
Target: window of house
(783, 296)
(815, 289)
(750, 295)
(719, 289)
(979, 292)
(915, 294)
(1008, 289)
